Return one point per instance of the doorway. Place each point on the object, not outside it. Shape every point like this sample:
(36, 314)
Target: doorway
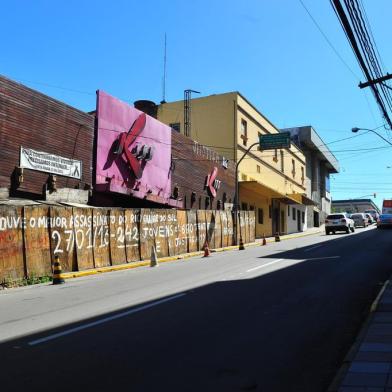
(298, 220)
(282, 222)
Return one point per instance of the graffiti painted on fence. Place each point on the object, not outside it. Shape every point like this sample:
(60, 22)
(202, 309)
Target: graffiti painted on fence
(85, 238)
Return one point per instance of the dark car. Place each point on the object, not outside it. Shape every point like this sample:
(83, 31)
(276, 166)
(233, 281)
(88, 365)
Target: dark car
(384, 220)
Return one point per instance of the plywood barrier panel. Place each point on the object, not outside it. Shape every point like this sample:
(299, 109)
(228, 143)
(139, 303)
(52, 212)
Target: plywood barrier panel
(132, 234)
(148, 221)
(62, 239)
(246, 223)
(117, 237)
(210, 228)
(163, 230)
(101, 237)
(83, 231)
(37, 242)
(224, 230)
(218, 230)
(241, 223)
(171, 231)
(236, 223)
(181, 240)
(192, 231)
(230, 227)
(11, 243)
(252, 226)
(201, 228)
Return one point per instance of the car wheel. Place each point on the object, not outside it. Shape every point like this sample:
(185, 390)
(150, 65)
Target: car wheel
(352, 229)
(348, 230)
(326, 232)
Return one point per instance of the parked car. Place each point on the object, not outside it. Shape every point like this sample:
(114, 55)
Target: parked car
(369, 218)
(339, 222)
(373, 213)
(384, 220)
(360, 219)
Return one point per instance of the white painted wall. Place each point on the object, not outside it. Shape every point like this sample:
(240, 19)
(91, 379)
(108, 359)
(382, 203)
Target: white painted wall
(291, 223)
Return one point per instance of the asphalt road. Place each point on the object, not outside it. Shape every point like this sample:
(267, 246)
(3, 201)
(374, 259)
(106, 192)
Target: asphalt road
(273, 318)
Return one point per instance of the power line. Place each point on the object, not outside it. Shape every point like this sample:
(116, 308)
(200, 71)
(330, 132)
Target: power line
(328, 41)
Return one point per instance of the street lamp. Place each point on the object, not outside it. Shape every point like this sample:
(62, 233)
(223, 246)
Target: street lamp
(355, 130)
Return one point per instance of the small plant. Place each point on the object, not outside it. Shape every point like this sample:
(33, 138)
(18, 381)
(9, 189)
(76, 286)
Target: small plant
(9, 283)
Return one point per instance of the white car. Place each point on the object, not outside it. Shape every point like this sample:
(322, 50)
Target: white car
(339, 222)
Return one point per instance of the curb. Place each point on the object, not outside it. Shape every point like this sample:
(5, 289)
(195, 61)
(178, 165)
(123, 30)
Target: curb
(349, 357)
(144, 263)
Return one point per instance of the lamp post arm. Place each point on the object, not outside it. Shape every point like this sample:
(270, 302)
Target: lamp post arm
(236, 199)
(236, 174)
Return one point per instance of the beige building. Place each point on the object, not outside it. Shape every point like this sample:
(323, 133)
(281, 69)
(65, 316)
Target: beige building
(271, 182)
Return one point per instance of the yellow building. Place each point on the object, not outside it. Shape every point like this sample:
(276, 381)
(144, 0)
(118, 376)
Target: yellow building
(271, 182)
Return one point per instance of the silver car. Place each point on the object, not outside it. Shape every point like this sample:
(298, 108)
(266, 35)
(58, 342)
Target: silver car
(360, 219)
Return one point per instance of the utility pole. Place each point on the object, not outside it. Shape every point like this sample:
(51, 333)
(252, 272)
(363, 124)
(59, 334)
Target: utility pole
(164, 75)
(188, 111)
(378, 80)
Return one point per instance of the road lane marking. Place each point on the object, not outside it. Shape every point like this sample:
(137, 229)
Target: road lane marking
(313, 247)
(104, 320)
(264, 265)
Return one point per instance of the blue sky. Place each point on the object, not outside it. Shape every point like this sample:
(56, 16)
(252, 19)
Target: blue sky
(270, 51)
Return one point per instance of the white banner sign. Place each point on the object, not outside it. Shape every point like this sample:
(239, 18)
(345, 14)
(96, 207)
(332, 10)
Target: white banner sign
(49, 163)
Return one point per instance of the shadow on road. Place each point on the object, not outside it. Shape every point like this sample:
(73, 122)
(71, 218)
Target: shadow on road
(286, 330)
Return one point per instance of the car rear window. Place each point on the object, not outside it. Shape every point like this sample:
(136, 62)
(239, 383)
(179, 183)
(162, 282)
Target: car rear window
(336, 216)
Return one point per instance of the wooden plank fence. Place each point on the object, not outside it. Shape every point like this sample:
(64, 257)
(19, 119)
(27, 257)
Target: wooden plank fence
(86, 238)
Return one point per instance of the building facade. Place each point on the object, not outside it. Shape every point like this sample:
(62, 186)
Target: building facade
(46, 146)
(320, 164)
(271, 182)
(354, 205)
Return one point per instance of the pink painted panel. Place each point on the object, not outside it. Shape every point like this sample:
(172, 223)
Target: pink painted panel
(133, 151)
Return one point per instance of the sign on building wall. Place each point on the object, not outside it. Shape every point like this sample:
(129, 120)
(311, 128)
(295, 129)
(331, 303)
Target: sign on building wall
(133, 151)
(50, 163)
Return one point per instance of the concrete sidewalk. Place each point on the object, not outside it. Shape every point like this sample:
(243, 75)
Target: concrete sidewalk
(368, 365)
(311, 231)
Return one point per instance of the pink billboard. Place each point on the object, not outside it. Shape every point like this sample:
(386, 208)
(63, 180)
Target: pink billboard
(133, 151)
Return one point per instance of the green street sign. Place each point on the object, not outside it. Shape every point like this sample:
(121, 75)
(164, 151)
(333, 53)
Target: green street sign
(275, 140)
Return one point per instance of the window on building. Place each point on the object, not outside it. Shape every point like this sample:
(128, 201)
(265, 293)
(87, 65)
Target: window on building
(293, 167)
(294, 213)
(288, 210)
(275, 155)
(175, 126)
(281, 161)
(260, 216)
(244, 132)
(302, 175)
(270, 212)
(258, 168)
(244, 206)
(303, 217)
(251, 208)
(244, 177)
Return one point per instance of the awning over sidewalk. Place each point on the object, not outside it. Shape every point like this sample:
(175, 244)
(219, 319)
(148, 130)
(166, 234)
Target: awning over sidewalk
(266, 191)
(307, 201)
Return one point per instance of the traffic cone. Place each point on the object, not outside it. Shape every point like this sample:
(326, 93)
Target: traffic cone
(241, 247)
(277, 237)
(264, 240)
(57, 278)
(207, 251)
(154, 258)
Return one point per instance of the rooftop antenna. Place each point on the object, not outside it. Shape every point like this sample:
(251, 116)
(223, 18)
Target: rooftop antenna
(164, 75)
